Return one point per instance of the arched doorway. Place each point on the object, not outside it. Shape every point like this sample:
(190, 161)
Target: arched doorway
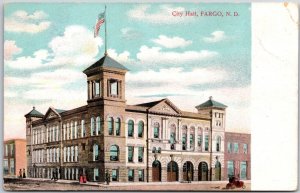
(203, 171)
(188, 171)
(218, 171)
(172, 171)
(156, 171)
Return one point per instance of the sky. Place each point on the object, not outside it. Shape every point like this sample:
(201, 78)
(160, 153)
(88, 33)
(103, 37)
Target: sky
(185, 59)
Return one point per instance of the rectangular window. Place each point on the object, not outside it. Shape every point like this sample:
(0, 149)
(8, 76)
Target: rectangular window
(229, 147)
(245, 148)
(83, 128)
(12, 149)
(141, 154)
(243, 170)
(130, 175)
(172, 138)
(130, 154)
(236, 148)
(97, 88)
(206, 142)
(184, 141)
(230, 169)
(12, 165)
(113, 87)
(5, 166)
(156, 132)
(141, 175)
(114, 175)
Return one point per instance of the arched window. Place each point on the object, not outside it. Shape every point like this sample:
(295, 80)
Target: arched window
(156, 130)
(118, 126)
(76, 153)
(114, 153)
(110, 126)
(153, 150)
(191, 141)
(218, 143)
(95, 152)
(83, 133)
(141, 129)
(159, 150)
(93, 131)
(184, 141)
(98, 126)
(130, 128)
(72, 153)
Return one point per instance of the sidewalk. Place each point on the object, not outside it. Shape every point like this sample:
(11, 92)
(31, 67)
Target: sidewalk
(116, 184)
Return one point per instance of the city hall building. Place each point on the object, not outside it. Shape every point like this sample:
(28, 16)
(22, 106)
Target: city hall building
(149, 142)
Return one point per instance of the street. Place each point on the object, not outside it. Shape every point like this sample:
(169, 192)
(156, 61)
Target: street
(34, 185)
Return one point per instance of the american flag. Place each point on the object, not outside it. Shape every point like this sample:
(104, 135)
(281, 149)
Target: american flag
(99, 22)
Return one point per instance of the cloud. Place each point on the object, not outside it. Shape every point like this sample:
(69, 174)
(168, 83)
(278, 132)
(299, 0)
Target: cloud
(21, 21)
(77, 47)
(51, 79)
(216, 36)
(29, 62)
(130, 33)
(175, 77)
(163, 15)
(154, 55)
(121, 58)
(172, 42)
(10, 49)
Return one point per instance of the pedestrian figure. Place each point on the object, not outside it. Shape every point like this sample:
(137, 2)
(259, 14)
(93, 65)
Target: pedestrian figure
(107, 177)
(20, 173)
(24, 175)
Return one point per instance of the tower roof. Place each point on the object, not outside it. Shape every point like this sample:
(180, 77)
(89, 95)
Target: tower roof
(211, 103)
(34, 113)
(106, 61)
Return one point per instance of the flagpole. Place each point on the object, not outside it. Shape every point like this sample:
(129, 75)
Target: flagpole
(105, 53)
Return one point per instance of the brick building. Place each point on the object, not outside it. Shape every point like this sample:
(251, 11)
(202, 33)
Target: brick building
(14, 157)
(154, 141)
(237, 155)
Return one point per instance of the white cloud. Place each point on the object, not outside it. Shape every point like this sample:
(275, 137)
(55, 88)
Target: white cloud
(21, 21)
(172, 42)
(10, 49)
(122, 57)
(161, 16)
(216, 36)
(52, 79)
(154, 55)
(29, 62)
(177, 77)
(77, 47)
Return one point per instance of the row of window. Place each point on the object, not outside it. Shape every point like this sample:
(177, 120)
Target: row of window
(130, 174)
(131, 154)
(232, 166)
(52, 155)
(71, 154)
(9, 149)
(234, 147)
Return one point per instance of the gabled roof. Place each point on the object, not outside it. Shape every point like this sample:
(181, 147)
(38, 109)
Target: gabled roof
(150, 104)
(106, 61)
(34, 113)
(56, 111)
(211, 103)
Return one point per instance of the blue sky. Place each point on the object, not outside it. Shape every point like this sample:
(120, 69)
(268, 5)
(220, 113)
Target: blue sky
(47, 46)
